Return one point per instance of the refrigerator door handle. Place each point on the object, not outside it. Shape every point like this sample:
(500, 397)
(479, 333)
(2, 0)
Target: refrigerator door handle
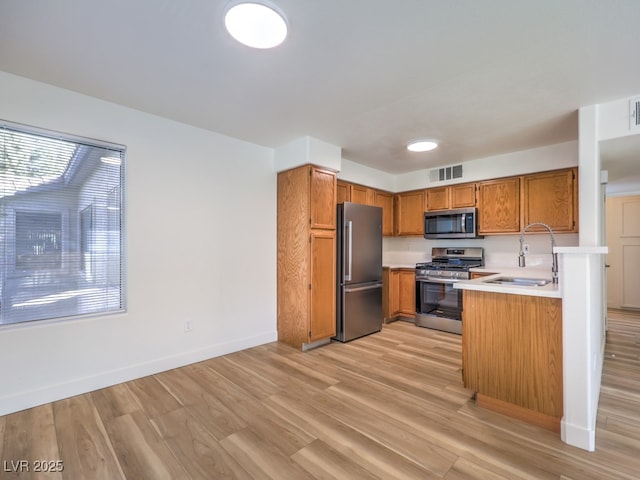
(348, 234)
(360, 289)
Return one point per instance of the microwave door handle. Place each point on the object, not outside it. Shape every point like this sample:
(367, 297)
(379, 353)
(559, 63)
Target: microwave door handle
(348, 234)
(464, 223)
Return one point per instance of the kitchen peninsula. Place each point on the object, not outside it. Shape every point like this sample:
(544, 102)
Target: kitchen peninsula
(512, 348)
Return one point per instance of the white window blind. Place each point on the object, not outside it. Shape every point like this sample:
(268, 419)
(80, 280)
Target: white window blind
(61, 219)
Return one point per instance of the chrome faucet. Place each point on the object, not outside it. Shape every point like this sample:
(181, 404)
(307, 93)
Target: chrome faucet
(554, 256)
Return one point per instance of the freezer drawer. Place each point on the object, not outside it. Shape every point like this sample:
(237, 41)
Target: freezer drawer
(359, 311)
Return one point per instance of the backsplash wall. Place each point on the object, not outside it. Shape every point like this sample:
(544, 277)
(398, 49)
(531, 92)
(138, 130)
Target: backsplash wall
(499, 250)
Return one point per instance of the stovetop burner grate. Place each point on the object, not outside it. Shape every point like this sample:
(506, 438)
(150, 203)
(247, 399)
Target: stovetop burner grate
(453, 259)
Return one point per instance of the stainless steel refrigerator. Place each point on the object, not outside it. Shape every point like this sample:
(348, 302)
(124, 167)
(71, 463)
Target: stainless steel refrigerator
(359, 272)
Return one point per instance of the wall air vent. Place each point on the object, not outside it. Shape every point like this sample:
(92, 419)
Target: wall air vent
(445, 173)
(634, 113)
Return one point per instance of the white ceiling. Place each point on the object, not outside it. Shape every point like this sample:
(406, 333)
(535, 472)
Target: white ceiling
(485, 77)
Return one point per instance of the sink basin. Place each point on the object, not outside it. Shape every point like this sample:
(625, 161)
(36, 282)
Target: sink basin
(520, 281)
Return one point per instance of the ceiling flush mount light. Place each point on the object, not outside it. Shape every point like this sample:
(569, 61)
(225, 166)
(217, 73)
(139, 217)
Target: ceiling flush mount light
(257, 25)
(422, 145)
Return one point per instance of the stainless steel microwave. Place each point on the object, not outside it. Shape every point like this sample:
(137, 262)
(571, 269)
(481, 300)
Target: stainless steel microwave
(456, 223)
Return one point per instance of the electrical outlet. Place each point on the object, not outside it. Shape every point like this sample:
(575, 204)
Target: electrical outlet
(188, 325)
(525, 248)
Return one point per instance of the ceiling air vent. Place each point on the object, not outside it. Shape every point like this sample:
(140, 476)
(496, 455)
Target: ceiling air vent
(634, 113)
(445, 173)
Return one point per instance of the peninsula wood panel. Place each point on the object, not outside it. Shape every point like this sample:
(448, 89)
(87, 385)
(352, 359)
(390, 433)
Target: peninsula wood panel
(551, 198)
(513, 349)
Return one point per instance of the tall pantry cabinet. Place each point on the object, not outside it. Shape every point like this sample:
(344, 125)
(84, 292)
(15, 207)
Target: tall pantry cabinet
(306, 256)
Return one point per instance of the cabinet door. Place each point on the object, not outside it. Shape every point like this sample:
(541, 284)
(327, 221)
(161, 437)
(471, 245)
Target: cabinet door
(385, 201)
(360, 194)
(409, 213)
(499, 206)
(343, 192)
(437, 198)
(322, 322)
(462, 196)
(323, 198)
(551, 198)
(394, 293)
(386, 280)
(407, 301)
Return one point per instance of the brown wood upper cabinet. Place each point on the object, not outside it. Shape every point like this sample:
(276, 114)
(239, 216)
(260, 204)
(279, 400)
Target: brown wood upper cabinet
(323, 198)
(361, 194)
(409, 213)
(343, 192)
(352, 192)
(507, 205)
(452, 196)
(306, 255)
(385, 201)
(499, 206)
(551, 198)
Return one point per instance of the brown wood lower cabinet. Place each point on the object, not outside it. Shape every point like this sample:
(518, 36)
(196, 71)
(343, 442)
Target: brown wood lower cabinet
(512, 355)
(399, 293)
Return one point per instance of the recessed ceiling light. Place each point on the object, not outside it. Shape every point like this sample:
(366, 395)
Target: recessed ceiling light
(422, 145)
(256, 25)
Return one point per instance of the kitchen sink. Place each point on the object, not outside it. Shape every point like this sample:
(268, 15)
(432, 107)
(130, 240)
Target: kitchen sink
(520, 281)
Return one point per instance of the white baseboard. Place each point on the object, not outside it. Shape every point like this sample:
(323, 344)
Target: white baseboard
(50, 393)
(577, 436)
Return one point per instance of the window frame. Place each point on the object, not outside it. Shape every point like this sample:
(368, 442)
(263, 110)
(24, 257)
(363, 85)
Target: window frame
(10, 259)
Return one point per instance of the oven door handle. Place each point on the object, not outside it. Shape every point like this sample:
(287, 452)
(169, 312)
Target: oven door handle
(437, 280)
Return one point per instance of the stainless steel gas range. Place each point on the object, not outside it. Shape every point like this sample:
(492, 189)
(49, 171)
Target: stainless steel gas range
(438, 303)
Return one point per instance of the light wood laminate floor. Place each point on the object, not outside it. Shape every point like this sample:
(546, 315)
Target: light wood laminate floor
(387, 406)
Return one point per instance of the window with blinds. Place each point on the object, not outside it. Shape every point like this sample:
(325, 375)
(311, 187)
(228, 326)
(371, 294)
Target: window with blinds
(61, 219)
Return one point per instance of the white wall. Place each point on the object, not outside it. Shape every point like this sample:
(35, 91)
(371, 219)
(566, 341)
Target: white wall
(614, 120)
(200, 221)
(357, 173)
(550, 157)
(501, 251)
(304, 150)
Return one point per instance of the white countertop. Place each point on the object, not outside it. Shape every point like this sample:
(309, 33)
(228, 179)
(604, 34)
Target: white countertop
(480, 284)
(400, 265)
